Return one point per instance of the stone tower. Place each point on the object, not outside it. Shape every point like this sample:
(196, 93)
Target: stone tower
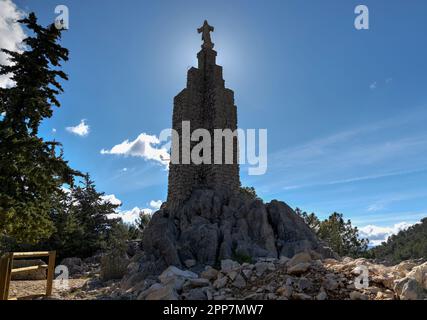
(205, 219)
(205, 103)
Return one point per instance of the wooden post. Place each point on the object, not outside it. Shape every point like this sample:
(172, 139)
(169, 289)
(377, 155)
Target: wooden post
(50, 273)
(4, 264)
(8, 274)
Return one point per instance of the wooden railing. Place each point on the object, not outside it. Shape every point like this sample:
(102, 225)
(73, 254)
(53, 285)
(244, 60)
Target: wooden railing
(7, 270)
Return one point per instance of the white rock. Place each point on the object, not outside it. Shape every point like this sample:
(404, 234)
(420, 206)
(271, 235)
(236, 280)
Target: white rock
(229, 265)
(419, 273)
(173, 271)
(177, 277)
(247, 273)
(232, 275)
(239, 282)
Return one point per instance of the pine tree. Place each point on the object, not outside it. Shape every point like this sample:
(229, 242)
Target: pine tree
(32, 171)
(407, 244)
(91, 212)
(340, 235)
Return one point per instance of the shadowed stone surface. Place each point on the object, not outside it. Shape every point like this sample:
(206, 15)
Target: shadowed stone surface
(211, 227)
(206, 218)
(206, 104)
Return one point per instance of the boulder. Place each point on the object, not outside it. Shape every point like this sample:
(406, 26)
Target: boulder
(74, 265)
(419, 273)
(196, 294)
(298, 269)
(229, 265)
(329, 283)
(304, 284)
(239, 282)
(173, 272)
(176, 277)
(285, 291)
(260, 268)
(387, 295)
(113, 266)
(159, 292)
(196, 283)
(303, 257)
(220, 283)
(356, 295)
(322, 295)
(211, 226)
(209, 273)
(412, 290)
(301, 296)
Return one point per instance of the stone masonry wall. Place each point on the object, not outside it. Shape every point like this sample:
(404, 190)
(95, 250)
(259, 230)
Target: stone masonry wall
(206, 103)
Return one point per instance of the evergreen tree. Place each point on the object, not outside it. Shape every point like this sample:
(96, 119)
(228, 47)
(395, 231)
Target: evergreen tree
(67, 229)
(407, 244)
(91, 212)
(32, 171)
(143, 220)
(310, 219)
(340, 235)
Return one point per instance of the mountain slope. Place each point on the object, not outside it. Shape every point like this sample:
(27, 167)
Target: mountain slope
(407, 244)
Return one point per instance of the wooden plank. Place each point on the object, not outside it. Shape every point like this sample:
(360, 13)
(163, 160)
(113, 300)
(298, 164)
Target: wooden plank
(31, 268)
(20, 255)
(50, 273)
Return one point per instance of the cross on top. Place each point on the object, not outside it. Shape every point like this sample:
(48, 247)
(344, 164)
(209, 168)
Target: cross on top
(205, 30)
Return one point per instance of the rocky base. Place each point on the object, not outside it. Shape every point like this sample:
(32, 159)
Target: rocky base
(211, 227)
(304, 277)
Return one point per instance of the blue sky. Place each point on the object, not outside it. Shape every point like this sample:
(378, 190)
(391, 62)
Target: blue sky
(345, 109)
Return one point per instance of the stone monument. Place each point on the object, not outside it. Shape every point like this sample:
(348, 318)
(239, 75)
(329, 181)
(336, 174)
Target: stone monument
(207, 218)
(204, 103)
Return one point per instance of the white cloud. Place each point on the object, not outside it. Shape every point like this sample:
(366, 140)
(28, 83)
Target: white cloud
(82, 129)
(376, 207)
(112, 199)
(156, 204)
(11, 35)
(377, 235)
(373, 85)
(130, 216)
(53, 130)
(143, 146)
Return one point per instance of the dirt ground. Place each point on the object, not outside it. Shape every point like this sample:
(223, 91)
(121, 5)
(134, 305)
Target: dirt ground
(22, 290)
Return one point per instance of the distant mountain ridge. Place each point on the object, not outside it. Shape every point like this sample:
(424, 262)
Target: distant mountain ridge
(407, 244)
